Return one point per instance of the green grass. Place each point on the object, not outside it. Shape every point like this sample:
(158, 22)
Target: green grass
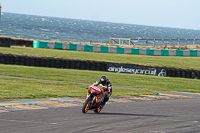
(169, 61)
(30, 89)
(19, 88)
(129, 92)
(117, 79)
(23, 89)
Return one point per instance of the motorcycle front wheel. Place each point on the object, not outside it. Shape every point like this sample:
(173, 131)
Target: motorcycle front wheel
(86, 105)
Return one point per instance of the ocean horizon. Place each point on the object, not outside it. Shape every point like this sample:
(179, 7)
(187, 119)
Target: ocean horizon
(77, 30)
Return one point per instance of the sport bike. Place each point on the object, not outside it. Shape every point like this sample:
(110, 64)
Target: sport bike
(95, 97)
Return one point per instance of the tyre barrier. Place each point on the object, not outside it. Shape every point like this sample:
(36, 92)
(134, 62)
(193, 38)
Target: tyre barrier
(18, 42)
(5, 42)
(90, 65)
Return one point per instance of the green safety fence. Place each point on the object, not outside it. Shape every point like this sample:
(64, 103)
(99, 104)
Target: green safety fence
(88, 48)
(104, 49)
(119, 50)
(135, 51)
(164, 52)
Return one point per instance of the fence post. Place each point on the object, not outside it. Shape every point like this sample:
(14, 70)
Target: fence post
(119, 41)
(170, 42)
(113, 41)
(146, 42)
(178, 41)
(0, 12)
(138, 42)
(162, 42)
(185, 42)
(194, 42)
(129, 41)
(154, 42)
(110, 40)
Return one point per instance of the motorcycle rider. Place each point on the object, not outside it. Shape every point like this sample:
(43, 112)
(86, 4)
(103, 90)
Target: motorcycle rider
(107, 88)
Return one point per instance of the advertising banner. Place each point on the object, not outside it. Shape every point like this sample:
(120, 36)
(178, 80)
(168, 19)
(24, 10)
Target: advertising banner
(120, 68)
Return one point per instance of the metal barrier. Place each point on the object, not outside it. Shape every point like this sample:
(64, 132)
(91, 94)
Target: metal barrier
(154, 42)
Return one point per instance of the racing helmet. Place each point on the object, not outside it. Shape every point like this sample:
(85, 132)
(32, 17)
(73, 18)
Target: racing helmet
(103, 79)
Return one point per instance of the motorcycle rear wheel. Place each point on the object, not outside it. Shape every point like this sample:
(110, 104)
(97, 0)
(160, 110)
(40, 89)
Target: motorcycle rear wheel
(86, 105)
(98, 110)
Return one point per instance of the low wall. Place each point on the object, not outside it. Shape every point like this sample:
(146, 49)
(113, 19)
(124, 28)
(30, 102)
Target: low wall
(98, 66)
(5, 41)
(114, 49)
(19, 42)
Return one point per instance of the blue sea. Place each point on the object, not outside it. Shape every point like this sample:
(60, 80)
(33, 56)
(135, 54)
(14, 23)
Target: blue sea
(64, 29)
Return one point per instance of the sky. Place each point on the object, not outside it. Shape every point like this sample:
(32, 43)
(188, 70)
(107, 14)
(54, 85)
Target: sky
(164, 13)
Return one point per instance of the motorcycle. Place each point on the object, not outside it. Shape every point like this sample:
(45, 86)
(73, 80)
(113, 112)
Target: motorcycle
(95, 97)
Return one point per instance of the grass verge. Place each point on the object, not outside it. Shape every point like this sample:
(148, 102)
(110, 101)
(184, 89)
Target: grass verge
(117, 79)
(166, 61)
(13, 89)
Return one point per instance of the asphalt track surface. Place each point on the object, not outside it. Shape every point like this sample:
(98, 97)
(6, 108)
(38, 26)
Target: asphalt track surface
(179, 115)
